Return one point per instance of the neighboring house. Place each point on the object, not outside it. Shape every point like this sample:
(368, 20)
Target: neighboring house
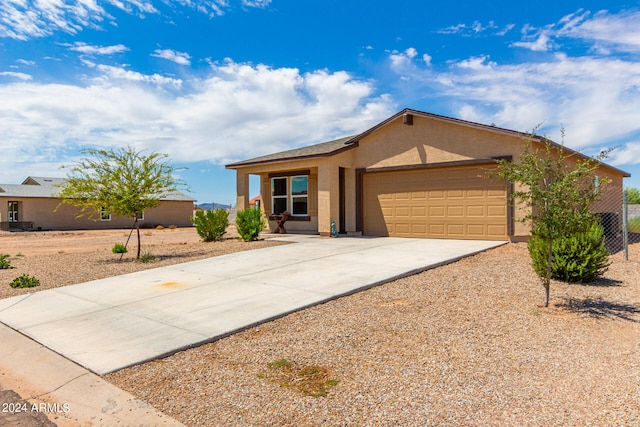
(415, 174)
(256, 202)
(32, 206)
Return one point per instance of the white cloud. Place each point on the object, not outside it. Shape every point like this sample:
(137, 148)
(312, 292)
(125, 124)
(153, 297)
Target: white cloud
(605, 32)
(475, 29)
(541, 43)
(98, 50)
(181, 58)
(629, 154)
(256, 3)
(596, 99)
(25, 62)
(22, 20)
(20, 76)
(619, 32)
(236, 111)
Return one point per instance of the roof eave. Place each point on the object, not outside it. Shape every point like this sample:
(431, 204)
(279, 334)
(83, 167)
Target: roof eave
(348, 145)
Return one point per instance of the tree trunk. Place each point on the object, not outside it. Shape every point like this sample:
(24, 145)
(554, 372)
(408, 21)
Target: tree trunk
(547, 279)
(137, 224)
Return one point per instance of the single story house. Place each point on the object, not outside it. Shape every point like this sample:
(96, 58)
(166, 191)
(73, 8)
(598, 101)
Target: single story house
(32, 206)
(414, 174)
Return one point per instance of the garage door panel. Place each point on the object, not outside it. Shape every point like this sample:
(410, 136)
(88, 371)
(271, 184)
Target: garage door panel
(436, 230)
(476, 211)
(419, 228)
(455, 211)
(499, 211)
(436, 194)
(455, 194)
(419, 212)
(496, 230)
(436, 211)
(455, 230)
(477, 230)
(402, 211)
(403, 228)
(453, 202)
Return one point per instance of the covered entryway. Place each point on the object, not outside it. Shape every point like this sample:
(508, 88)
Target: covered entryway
(457, 203)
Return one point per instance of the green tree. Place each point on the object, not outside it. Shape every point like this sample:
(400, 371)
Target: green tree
(123, 181)
(633, 196)
(558, 190)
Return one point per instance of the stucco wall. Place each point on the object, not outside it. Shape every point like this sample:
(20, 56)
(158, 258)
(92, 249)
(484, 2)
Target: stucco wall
(42, 213)
(633, 211)
(429, 141)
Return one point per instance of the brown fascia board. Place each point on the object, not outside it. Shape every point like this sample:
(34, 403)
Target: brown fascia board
(523, 135)
(353, 142)
(348, 145)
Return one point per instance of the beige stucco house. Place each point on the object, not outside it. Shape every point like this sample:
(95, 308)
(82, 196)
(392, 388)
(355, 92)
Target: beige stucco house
(413, 175)
(32, 206)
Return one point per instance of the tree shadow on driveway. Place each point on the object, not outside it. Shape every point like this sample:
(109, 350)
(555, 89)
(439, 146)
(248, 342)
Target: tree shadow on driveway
(602, 309)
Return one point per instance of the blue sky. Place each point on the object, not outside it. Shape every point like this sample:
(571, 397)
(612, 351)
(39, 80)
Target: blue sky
(211, 82)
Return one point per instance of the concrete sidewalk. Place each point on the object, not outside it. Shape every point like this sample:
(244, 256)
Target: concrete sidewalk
(63, 392)
(109, 324)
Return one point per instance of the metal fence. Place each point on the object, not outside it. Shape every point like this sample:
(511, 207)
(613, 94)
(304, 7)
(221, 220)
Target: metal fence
(621, 222)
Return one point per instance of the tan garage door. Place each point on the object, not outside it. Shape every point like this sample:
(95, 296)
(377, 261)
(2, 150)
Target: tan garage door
(457, 203)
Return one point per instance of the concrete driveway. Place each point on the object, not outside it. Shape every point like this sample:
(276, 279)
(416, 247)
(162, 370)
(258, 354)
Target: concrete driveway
(109, 324)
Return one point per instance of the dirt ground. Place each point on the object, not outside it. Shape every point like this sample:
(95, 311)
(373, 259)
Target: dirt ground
(53, 242)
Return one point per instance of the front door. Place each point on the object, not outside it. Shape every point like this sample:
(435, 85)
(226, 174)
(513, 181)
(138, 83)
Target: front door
(13, 212)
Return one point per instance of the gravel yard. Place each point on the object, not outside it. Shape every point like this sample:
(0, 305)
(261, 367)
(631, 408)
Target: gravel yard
(59, 258)
(464, 344)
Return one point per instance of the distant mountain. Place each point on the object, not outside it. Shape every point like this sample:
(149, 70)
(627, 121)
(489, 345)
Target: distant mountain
(210, 206)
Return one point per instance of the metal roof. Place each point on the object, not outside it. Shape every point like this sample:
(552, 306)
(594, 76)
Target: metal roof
(46, 187)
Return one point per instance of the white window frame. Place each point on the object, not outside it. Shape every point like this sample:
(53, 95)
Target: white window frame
(285, 196)
(104, 217)
(141, 216)
(289, 196)
(299, 196)
(13, 209)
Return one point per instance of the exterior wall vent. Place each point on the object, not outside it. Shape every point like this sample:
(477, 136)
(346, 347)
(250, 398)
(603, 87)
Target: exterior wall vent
(407, 119)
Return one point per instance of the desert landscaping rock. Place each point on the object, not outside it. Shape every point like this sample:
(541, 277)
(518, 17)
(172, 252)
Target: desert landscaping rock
(464, 344)
(66, 258)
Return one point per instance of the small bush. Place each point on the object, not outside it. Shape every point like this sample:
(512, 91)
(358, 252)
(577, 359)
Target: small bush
(249, 223)
(159, 227)
(146, 257)
(212, 225)
(119, 248)
(24, 281)
(4, 262)
(634, 225)
(579, 258)
(172, 227)
(310, 380)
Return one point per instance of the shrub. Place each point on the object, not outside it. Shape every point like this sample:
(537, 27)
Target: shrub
(212, 225)
(146, 257)
(119, 248)
(249, 223)
(4, 262)
(24, 281)
(634, 225)
(579, 258)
